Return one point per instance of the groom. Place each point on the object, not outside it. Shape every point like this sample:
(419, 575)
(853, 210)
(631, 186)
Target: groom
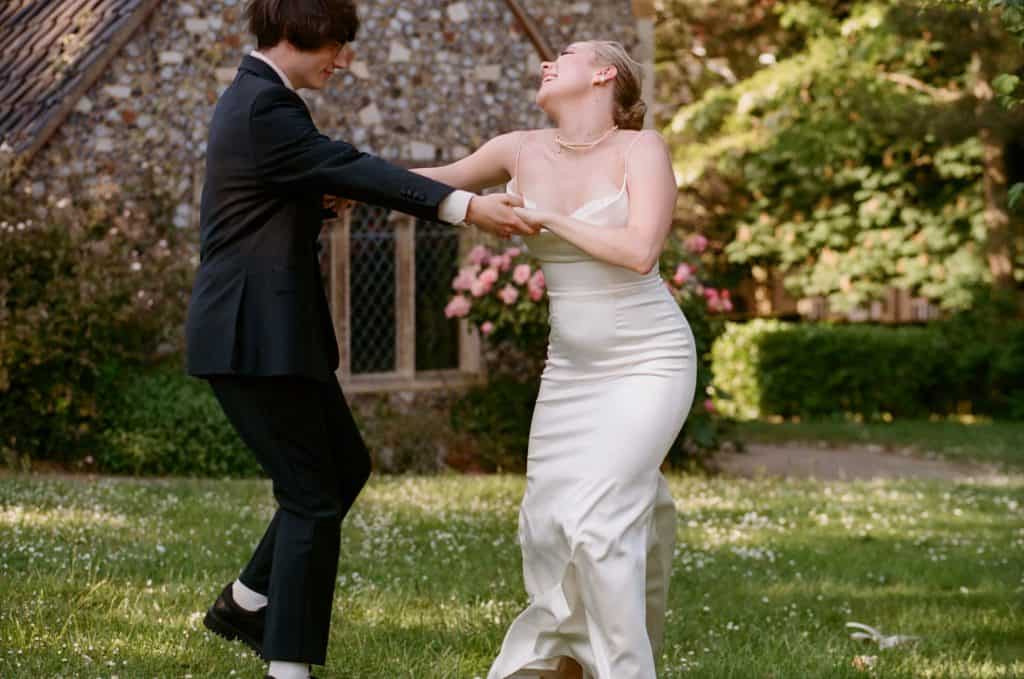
(259, 328)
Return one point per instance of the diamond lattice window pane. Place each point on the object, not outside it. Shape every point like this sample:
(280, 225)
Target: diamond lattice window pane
(372, 291)
(437, 337)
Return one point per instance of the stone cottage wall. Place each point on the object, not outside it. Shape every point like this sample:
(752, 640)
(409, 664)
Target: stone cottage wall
(432, 81)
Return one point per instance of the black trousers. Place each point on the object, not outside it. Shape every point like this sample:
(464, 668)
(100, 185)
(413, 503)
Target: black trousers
(304, 437)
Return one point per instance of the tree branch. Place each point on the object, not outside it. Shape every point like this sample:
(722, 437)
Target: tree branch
(938, 94)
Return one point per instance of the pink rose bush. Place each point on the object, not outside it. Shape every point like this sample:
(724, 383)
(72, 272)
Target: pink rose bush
(502, 293)
(684, 273)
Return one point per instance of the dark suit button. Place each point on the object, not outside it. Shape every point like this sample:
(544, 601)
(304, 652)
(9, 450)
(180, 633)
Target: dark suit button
(420, 197)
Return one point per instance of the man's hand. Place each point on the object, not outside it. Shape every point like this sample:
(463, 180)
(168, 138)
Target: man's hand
(495, 214)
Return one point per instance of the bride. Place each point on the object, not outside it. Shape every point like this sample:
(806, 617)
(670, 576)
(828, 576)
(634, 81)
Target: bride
(597, 522)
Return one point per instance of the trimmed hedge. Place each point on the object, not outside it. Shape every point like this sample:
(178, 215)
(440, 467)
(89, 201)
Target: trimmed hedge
(812, 370)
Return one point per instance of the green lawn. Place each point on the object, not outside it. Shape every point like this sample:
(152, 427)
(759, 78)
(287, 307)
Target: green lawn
(109, 577)
(1000, 443)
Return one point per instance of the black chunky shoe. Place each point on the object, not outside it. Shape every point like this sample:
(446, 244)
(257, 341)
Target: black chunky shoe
(227, 619)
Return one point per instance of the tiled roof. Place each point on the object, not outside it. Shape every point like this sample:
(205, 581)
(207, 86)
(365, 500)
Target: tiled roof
(50, 52)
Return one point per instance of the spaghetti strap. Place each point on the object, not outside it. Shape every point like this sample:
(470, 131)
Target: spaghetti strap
(519, 152)
(629, 151)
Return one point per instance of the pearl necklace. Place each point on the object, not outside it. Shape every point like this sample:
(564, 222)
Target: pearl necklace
(583, 146)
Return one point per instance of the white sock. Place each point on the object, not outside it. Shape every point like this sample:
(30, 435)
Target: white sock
(248, 599)
(288, 670)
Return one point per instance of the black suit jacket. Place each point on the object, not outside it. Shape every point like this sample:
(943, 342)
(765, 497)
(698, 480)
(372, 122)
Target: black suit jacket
(258, 305)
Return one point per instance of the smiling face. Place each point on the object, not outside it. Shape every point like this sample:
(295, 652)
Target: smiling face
(313, 68)
(574, 74)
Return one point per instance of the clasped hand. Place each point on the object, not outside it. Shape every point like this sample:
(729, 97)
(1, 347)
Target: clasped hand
(497, 213)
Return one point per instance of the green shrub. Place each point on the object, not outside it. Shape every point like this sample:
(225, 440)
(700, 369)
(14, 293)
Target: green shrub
(736, 360)
(162, 421)
(773, 368)
(987, 352)
(74, 297)
(498, 418)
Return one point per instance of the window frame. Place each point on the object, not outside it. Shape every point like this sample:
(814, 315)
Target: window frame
(405, 377)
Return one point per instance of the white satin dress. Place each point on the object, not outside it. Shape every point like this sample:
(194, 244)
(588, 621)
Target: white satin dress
(597, 522)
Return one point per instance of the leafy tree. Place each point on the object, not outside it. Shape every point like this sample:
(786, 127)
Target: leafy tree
(866, 146)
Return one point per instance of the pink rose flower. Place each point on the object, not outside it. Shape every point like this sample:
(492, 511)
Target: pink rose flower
(513, 252)
(458, 307)
(504, 262)
(489, 276)
(478, 255)
(696, 243)
(465, 279)
(487, 328)
(714, 303)
(709, 406)
(508, 295)
(725, 301)
(536, 286)
(521, 274)
(480, 287)
(683, 273)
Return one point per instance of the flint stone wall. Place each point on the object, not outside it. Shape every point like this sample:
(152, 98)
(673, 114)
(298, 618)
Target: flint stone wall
(432, 81)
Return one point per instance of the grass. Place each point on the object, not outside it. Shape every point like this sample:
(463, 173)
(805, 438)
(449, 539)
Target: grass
(104, 578)
(999, 443)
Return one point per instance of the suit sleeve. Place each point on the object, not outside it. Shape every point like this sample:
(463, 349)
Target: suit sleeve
(294, 157)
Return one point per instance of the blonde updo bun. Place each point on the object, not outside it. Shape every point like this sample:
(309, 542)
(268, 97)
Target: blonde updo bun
(633, 117)
(630, 108)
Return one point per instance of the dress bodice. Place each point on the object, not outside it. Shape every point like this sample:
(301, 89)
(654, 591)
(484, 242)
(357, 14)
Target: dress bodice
(610, 211)
(587, 273)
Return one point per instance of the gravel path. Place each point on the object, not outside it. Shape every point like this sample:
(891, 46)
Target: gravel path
(847, 463)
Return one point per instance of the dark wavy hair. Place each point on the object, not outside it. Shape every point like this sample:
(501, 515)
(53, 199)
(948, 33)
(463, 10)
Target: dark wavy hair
(307, 24)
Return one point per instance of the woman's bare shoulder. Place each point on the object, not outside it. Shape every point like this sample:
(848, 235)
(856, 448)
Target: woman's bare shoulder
(534, 136)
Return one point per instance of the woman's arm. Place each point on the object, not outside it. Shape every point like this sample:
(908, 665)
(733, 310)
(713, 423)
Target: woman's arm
(489, 166)
(652, 200)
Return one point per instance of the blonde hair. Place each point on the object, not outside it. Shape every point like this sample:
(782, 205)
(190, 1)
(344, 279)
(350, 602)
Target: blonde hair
(630, 108)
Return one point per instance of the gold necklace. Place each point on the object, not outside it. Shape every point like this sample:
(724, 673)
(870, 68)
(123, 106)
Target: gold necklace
(583, 146)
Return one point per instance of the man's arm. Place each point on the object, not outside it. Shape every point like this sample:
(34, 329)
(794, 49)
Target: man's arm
(294, 157)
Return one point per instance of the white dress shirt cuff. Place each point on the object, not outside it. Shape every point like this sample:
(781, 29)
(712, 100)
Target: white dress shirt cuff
(455, 207)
